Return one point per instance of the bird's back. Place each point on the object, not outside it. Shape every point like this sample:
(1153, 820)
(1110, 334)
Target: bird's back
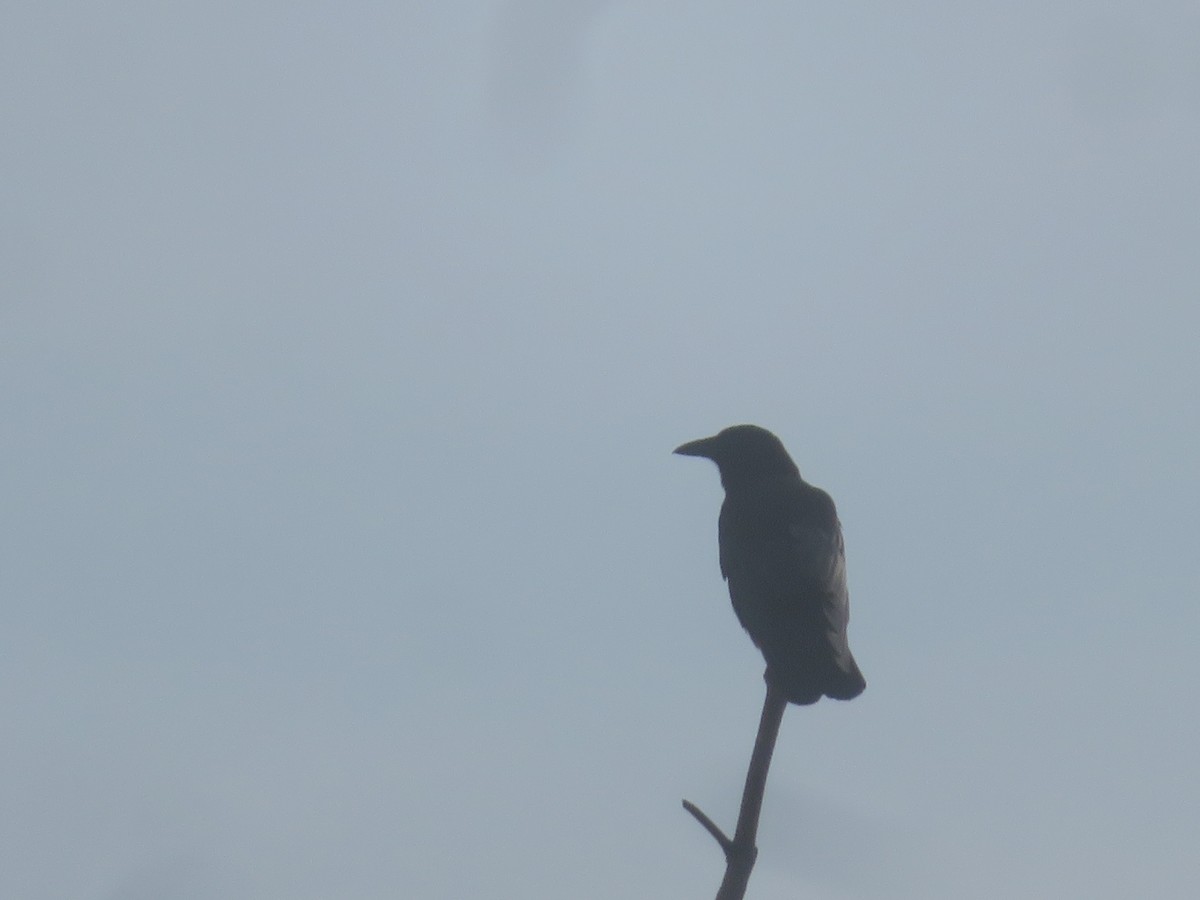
(783, 557)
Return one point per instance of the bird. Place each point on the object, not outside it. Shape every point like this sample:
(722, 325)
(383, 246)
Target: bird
(782, 554)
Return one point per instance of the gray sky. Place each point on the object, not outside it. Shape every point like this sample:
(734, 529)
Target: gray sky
(344, 350)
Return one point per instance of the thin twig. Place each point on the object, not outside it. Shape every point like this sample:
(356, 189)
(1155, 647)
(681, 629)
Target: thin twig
(708, 823)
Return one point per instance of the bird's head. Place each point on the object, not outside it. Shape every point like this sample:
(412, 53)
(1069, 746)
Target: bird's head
(743, 454)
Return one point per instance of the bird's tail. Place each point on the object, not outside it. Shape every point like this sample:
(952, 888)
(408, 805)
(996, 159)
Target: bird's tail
(804, 687)
(846, 684)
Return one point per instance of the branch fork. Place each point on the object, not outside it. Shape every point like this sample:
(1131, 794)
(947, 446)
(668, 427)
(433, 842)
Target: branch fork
(741, 852)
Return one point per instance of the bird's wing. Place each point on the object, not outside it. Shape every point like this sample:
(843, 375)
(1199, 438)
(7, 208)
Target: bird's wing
(790, 561)
(783, 556)
(820, 559)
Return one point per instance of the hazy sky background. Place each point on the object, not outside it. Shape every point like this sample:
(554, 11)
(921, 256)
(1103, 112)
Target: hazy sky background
(343, 348)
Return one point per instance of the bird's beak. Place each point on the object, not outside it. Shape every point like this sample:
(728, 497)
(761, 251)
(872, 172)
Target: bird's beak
(702, 447)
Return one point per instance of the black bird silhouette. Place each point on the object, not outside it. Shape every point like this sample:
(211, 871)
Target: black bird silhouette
(782, 553)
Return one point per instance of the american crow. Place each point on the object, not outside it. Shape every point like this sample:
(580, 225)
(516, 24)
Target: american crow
(781, 552)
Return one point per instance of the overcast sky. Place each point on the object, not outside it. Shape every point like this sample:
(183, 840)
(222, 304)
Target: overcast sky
(343, 348)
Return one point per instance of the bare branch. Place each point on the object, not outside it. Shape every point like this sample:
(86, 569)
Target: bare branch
(741, 852)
